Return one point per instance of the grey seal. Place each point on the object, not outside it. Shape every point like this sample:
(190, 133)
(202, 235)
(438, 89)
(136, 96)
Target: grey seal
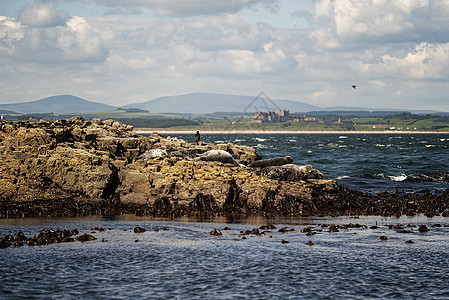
(153, 153)
(290, 172)
(218, 155)
(278, 161)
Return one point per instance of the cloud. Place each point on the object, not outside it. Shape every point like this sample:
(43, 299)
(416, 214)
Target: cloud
(40, 14)
(11, 33)
(384, 21)
(187, 8)
(119, 59)
(425, 62)
(216, 46)
(76, 41)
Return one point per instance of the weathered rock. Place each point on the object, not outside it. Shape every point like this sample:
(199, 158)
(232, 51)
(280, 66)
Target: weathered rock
(77, 167)
(58, 166)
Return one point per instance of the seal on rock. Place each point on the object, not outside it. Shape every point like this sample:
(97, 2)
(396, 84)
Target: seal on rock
(153, 153)
(290, 172)
(278, 161)
(187, 153)
(218, 155)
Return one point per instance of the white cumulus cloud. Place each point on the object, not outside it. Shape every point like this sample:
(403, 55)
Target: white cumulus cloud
(76, 41)
(384, 20)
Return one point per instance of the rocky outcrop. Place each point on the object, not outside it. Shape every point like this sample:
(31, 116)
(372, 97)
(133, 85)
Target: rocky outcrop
(74, 167)
(106, 165)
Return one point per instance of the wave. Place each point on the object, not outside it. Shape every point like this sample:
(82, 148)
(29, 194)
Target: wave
(401, 177)
(426, 177)
(260, 139)
(260, 146)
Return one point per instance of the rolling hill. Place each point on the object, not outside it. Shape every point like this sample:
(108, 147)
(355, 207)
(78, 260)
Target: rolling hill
(57, 104)
(196, 103)
(210, 103)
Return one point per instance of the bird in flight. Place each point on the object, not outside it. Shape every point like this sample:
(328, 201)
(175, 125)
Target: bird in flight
(354, 86)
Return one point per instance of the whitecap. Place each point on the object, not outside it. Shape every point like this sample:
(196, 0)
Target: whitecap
(260, 139)
(430, 146)
(260, 146)
(342, 177)
(342, 137)
(292, 140)
(401, 177)
(309, 151)
(239, 140)
(219, 142)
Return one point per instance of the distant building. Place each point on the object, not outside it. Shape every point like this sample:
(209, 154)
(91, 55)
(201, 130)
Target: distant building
(271, 116)
(283, 116)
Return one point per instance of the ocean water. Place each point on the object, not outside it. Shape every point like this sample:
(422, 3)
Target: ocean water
(368, 162)
(187, 262)
(374, 258)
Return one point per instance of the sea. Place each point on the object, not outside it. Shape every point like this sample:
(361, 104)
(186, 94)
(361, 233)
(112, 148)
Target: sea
(369, 257)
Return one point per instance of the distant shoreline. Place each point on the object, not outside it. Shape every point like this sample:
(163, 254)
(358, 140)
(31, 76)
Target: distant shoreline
(149, 131)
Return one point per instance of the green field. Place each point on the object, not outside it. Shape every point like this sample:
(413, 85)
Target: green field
(234, 122)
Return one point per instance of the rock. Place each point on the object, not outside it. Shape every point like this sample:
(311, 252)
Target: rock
(333, 228)
(216, 232)
(423, 228)
(279, 161)
(77, 167)
(139, 229)
(86, 237)
(290, 172)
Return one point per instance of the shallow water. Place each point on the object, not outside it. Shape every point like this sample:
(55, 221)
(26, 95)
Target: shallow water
(186, 262)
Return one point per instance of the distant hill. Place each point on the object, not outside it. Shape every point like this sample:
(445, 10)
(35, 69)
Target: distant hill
(210, 103)
(197, 103)
(57, 104)
(7, 112)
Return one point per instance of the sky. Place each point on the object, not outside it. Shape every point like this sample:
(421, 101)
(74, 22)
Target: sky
(120, 52)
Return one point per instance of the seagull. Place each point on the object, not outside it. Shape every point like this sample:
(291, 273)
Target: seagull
(354, 86)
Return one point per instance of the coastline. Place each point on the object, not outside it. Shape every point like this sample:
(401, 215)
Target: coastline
(162, 131)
